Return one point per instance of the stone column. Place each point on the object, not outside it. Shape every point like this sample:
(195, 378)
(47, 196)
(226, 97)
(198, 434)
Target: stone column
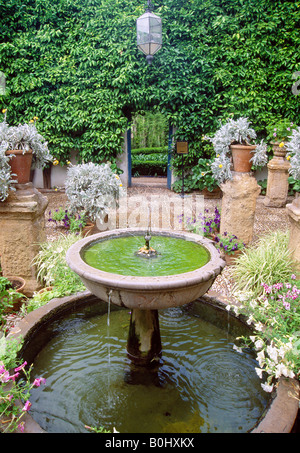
(278, 173)
(238, 206)
(293, 211)
(22, 228)
(144, 343)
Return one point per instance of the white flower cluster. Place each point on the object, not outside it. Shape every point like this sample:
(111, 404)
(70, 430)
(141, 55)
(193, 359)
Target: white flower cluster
(91, 189)
(272, 360)
(293, 147)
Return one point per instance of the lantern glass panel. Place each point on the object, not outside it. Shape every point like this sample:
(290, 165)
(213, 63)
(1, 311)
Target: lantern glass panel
(149, 33)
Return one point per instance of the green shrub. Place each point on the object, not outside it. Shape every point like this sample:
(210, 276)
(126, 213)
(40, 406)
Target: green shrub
(53, 270)
(266, 262)
(158, 150)
(150, 164)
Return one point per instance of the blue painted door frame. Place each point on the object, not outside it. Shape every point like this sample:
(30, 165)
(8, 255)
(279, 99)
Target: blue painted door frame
(169, 171)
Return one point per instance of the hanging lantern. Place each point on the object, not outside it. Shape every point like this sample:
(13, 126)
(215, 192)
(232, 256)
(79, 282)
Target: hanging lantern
(149, 33)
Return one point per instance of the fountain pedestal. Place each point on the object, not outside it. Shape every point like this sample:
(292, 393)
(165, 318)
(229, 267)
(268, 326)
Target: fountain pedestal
(144, 343)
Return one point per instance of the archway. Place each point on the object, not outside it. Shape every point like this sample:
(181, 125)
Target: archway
(149, 150)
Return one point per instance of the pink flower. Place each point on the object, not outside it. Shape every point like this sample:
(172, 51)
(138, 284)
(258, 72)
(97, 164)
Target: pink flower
(38, 381)
(5, 376)
(27, 406)
(14, 376)
(21, 427)
(21, 366)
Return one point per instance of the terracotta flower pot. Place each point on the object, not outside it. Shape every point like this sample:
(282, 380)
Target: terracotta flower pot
(87, 230)
(18, 284)
(21, 164)
(230, 259)
(241, 155)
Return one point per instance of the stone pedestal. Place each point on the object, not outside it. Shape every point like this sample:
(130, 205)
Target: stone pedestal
(238, 206)
(22, 228)
(144, 343)
(293, 211)
(278, 173)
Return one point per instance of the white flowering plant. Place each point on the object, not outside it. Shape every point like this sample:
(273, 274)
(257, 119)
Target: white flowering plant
(234, 132)
(6, 176)
(275, 318)
(91, 189)
(293, 147)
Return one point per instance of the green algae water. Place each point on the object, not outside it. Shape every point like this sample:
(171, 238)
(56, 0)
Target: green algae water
(206, 386)
(118, 256)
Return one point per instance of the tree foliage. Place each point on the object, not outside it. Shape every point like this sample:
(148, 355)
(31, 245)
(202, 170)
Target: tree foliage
(75, 65)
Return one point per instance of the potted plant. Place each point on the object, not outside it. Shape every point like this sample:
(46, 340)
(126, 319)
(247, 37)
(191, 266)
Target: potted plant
(278, 134)
(22, 148)
(236, 138)
(10, 294)
(229, 246)
(91, 189)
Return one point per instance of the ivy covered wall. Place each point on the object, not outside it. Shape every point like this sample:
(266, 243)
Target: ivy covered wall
(74, 64)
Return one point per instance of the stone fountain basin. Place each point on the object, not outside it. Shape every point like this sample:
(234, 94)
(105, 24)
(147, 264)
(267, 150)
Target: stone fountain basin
(146, 293)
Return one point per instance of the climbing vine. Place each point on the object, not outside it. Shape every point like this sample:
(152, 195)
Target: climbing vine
(74, 64)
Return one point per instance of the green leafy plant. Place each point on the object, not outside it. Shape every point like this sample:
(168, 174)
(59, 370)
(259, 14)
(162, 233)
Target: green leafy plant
(85, 92)
(263, 185)
(294, 185)
(266, 262)
(280, 131)
(150, 164)
(8, 296)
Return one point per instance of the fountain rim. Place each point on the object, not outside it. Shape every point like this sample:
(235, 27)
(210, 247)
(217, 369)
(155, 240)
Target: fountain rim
(210, 270)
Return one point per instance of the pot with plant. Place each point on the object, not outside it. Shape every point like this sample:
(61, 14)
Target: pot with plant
(11, 296)
(229, 246)
(91, 190)
(278, 167)
(235, 139)
(278, 135)
(21, 148)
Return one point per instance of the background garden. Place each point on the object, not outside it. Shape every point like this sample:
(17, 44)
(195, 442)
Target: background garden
(75, 66)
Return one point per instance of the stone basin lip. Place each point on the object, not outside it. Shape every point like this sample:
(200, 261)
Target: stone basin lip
(207, 272)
